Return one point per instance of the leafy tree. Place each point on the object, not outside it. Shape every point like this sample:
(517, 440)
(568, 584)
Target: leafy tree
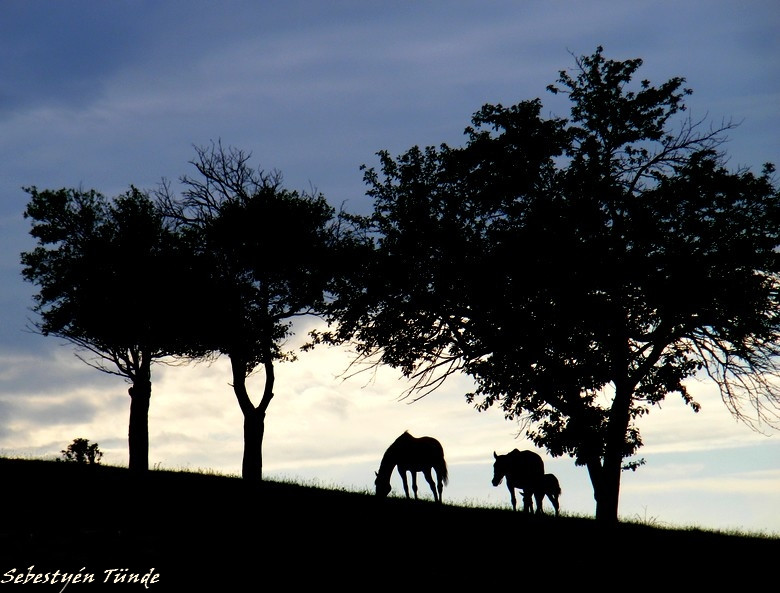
(578, 269)
(266, 256)
(82, 451)
(108, 272)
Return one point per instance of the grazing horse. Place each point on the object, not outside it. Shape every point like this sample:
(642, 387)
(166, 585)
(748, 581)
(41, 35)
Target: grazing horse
(523, 470)
(412, 454)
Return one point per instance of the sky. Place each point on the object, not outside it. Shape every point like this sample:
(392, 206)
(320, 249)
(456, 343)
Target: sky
(101, 95)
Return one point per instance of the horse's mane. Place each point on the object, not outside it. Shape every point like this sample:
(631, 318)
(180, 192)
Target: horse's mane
(404, 436)
(384, 465)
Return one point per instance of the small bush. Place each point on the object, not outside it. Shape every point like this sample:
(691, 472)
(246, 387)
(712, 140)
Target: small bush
(81, 451)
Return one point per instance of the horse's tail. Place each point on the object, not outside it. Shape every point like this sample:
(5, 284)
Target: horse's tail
(445, 477)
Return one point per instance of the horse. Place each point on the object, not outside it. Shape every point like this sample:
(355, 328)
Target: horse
(412, 454)
(552, 490)
(523, 470)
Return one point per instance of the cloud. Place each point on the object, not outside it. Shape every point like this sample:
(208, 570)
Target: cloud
(50, 370)
(748, 483)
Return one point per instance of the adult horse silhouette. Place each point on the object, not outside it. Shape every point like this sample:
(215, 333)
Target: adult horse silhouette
(523, 470)
(412, 454)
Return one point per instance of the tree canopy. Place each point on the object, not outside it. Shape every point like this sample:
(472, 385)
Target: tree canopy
(580, 269)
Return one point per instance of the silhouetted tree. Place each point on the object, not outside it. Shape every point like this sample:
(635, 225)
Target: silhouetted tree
(266, 256)
(579, 270)
(109, 273)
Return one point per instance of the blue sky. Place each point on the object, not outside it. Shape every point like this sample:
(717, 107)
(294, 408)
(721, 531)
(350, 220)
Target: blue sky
(107, 94)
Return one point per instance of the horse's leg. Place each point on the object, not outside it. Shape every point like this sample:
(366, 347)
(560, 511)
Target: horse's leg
(405, 483)
(539, 495)
(429, 479)
(528, 504)
(414, 483)
(554, 500)
(512, 495)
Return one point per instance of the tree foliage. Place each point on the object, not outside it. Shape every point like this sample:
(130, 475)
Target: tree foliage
(580, 269)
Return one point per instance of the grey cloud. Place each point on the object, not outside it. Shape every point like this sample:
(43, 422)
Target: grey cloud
(43, 47)
(50, 370)
(74, 410)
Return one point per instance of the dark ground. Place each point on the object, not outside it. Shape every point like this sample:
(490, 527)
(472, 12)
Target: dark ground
(212, 533)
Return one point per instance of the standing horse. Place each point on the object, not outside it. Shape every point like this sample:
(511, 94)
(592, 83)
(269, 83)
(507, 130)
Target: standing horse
(523, 470)
(412, 454)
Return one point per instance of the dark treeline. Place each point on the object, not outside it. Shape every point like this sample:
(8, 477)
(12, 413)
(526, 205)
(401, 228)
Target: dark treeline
(553, 260)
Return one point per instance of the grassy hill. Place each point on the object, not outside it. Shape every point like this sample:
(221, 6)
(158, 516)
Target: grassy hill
(218, 533)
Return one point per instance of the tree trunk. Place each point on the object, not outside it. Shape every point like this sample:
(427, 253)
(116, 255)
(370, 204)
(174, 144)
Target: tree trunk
(614, 448)
(254, 418)
(595, 472)
(138, 432)
(608, 488)
(252, 463)
(608, 494)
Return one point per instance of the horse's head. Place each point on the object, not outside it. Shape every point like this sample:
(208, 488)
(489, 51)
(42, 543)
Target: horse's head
(498, 469)
(382, 486)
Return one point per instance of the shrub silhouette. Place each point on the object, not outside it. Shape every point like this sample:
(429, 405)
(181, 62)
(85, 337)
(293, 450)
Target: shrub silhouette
(81, 451)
